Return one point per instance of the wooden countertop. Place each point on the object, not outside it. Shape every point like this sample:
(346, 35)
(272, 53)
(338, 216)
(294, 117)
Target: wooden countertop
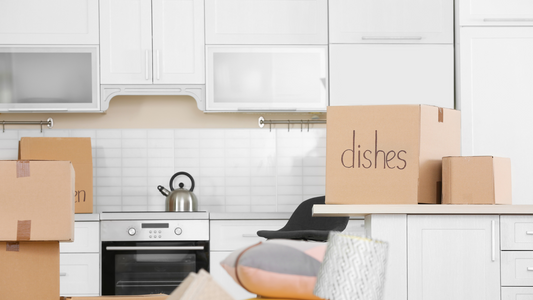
(420, 209)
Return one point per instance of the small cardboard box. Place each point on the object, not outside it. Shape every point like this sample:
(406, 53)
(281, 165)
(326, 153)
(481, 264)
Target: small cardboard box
(139, 297)
(36, 201)
(76, 150)
(388, 154)
(476, 180)
(29, 270)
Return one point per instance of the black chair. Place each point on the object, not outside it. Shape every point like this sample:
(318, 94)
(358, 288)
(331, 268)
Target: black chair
(303, 226)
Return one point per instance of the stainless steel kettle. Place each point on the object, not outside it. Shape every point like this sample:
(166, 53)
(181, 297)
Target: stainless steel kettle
(180, 199)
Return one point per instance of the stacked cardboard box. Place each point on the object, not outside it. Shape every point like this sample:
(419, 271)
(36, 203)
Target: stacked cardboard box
(37, 212)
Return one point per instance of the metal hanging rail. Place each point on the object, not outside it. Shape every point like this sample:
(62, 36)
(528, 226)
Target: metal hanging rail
(262, 123)
(49, 123)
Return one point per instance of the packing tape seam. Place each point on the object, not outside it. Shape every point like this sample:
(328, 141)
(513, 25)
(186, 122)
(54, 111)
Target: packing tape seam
(12, 246)
(23, 230)
(23, 168)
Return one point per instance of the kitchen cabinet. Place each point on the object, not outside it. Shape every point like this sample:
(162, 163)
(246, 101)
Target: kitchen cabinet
(227, 236)
(453, 257)
(374, 74)
(80, 261)
(495, 13)
(267, 78)
(496, 71)
(49, 79)
(152, 42)
(391, 21)
(259, 22)
(51, 22)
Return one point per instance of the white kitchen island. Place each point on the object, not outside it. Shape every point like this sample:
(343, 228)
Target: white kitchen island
(442, 252)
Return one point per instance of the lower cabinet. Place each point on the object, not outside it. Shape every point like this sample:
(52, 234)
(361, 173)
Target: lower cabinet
(453, 257)
(80, 261)
(517, 293)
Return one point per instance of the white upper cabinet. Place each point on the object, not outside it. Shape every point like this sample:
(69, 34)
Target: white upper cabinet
(496, 12)
(152, 41)
(266, 22)
(264, 78)
(50, 22)
(391, 21)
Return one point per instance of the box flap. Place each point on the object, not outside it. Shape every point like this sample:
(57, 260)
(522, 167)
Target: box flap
(502, 180)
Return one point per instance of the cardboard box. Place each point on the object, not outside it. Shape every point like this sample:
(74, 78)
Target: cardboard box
(476, 180)
(36, 201)
(76, 150)
(29, 270)
(140, 297)
(388, 154)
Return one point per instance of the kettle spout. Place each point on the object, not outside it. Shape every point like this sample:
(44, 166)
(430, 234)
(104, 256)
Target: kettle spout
(163, 190)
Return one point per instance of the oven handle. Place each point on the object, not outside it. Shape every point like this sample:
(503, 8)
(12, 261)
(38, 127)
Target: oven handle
(162, 248)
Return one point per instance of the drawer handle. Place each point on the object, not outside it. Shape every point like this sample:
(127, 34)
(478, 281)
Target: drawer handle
(529, 232)
(391, 38)
(508, 20)
(62, 274)
(250, 235)
(530, 268)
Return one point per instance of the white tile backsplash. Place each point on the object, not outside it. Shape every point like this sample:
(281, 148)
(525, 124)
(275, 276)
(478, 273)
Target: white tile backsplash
(235, 170)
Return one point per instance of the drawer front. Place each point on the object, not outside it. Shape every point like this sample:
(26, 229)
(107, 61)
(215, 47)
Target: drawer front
(231, 235)
(517, 232)
(86, 238)
(517, 268)
(79, 274)
(517, 293)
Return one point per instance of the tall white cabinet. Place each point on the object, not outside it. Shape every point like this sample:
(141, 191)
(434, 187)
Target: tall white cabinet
(152, 42)
(391, 52)
(495, 85)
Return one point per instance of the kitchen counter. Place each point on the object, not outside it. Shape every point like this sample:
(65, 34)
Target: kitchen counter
(421, 209)
(250, 216)
(86, 217)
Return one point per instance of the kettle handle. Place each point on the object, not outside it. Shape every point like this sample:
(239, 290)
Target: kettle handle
(181, 173)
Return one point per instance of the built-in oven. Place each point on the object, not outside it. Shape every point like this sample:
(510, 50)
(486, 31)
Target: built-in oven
(150, 253)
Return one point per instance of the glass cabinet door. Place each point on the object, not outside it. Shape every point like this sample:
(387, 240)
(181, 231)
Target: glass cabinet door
(263, 78)
(40, 79)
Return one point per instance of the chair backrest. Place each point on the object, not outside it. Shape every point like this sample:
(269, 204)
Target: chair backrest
(302, 219)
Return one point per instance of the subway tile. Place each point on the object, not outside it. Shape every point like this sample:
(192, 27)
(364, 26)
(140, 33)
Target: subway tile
(314, 171)
(9, 144)
(108, 153)
(187, 162)
(292, 133)
(314, 190)
(134, 134)
(102, 162)
(263, 191)
(314, 162)
(109, 200)
(135, 191)
(107, 208)
(314, 180)
(128, 200)
(135, 172)
(211, 200)
(186, 143)
(289, 199)
(289, 171)
(290, 190)
(161, 134)
(84, 133)
(186, 153)
(238, 181)
(108, 143)
(262, 133)
(238, 171)
(134, 143)
(209, 181)
(8, 154)
(160, 162)
(211, 134)
(238, 200)
(160, 172)
(108, 133)
(290, 180)
(161, 153)
(237, 143)
(134, 162)
(153, 182)
(266, 162)
(238, 209)
(237, 134)
(237, 161)
(56, 133)
(211, 163)
(287, 208)
(212, 171)
(211, 153)
(134, 153)
(263, 171)
(261, 144)
(240, 153)
(108, 181)
(212, 208)
(263, 200)
(134, 207)
(186, 134)
(263, 208)
(135, 182)
(212, 143)
(289, 152)
(161, 143)
(211, 190)
(263, 180)
(9, 134)
(31, 133)
(237, 191)
(156, 207)
(108, 191)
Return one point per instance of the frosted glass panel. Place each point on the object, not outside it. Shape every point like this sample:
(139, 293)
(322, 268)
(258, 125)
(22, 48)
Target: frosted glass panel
(46, 78)
(267, 78)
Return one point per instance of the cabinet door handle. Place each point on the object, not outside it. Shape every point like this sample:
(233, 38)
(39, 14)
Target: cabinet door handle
(147, 57)
(157, 64)
(62, 274)
(391, 38)
(530, 268)
(249, 235)
(493, 238)
(529, 232)
(508, 20)
(265, 109)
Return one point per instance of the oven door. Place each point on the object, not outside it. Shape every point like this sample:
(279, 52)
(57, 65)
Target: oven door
(137, 268)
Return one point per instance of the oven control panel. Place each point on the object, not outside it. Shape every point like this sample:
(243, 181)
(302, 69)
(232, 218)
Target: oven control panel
(155, 230)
